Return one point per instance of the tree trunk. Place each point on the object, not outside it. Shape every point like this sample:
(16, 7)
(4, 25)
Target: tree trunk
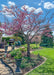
(36, 45)
(28, 49)
(0, 37)
(28, 45)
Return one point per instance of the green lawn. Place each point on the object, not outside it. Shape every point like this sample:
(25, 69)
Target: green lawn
(33, 46)
(48, 67)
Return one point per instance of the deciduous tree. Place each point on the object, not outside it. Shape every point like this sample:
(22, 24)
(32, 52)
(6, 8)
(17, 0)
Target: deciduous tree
(28, 23)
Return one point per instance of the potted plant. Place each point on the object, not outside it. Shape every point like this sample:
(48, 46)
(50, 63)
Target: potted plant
(18, 59)
(14, 53)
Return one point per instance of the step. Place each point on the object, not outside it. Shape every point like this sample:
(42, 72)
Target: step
(2, 51)
(1, 54)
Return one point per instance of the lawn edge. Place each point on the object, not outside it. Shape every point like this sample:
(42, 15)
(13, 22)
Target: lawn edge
(37, 66)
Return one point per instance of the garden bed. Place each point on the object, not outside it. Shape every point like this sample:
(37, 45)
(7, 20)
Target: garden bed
(30, 63)
(27, 63)
(34, 49)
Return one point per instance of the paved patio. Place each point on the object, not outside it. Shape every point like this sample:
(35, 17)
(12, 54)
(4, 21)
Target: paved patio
(9, 49)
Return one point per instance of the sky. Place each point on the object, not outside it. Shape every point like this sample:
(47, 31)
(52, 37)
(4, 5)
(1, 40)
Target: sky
(40, 5)
(44, 5)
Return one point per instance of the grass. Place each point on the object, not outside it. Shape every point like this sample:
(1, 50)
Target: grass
(33, 46)
(48, 67)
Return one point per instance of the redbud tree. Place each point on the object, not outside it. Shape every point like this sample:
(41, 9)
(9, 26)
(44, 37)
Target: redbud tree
(27, 23)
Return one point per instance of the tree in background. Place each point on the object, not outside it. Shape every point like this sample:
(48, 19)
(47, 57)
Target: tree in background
(36, 39)
(3, 29)
(16, 38)
(6, 38)
(47, 37)
(19, 34)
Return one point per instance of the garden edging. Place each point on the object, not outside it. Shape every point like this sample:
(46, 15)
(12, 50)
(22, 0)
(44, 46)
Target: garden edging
(37, 66)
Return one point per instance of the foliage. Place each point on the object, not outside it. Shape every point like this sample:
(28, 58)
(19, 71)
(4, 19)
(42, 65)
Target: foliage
(19, 34)
(22, 49)
(25, 21)
(14, 52)
(47, 37)
(28, 62)
(5, 38)
(18, 55)
(16, 38)
(33, 46)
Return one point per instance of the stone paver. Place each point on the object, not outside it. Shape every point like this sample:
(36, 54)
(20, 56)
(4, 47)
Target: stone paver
(9, 49)
(4, 70)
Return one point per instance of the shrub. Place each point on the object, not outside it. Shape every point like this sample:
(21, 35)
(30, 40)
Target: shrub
(14, 52)
(5, 38)
(18, 55)
(22, 49)
(24, 63)
(16, 38)
(28, 62)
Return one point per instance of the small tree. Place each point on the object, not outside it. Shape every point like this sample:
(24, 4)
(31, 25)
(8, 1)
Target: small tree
(16, 38)
(47, 37)
(36, 40)
(26, 23)
(19, 34)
